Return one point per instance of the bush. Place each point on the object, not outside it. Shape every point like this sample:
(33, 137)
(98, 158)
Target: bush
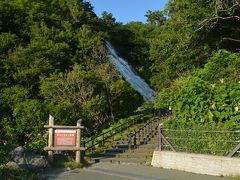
(10, 173)
(208, 98)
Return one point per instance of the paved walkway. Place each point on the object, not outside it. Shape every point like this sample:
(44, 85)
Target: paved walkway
(107, 171)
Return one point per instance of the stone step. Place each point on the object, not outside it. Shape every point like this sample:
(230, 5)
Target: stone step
(122, 146)
(147, 138)
(119, 150)
(147, 146)
(123, 156)
(134, 155)
(105, 154)
(141, 140)
(123, 161)
(140, 151)
(154, 132)
(126, 144)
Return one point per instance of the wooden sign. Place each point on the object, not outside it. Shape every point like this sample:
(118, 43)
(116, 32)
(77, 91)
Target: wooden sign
(64, 137)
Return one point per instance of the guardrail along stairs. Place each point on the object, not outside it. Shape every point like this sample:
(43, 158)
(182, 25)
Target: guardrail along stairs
(135, 148)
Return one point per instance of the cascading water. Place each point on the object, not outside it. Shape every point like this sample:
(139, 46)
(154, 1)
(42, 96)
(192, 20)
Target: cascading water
(129, 74)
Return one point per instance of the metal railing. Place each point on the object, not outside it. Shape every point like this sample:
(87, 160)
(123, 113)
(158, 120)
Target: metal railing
(140, 136)
(216, 142)
(99, 139)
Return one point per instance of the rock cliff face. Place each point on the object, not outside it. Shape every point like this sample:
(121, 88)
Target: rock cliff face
(24, 158)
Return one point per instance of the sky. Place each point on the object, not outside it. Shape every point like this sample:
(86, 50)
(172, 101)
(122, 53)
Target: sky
(127, 10)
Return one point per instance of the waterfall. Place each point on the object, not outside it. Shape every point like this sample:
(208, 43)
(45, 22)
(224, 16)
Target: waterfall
(129, 74)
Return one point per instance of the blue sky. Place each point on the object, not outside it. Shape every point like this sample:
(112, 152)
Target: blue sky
(127, 10)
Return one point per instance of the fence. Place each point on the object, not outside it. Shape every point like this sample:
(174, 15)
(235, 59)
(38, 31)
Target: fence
(215, 142)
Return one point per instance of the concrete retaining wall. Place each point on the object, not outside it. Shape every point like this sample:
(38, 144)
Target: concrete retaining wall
(197, 163)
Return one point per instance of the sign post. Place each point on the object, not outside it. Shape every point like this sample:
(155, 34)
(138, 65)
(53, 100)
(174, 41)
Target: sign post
(78, 144)
(64, 138)
(50, 137)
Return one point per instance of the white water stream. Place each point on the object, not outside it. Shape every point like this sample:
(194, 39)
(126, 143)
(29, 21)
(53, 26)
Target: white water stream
(129, 74)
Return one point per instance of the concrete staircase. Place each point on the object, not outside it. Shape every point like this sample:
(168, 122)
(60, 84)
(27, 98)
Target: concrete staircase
(137, 148)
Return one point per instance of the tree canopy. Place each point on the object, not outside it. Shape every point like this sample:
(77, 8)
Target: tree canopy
(53, 60)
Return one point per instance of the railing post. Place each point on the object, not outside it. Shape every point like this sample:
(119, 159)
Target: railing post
(102, 140)
(129, 141)
(84, 145)
(50, 137)
(78, 143)
(144, 134)
(135, 139)
(160, 137)
(139, 141)
(112, 134)
(147, 126)
(91, 146)
(234, 151)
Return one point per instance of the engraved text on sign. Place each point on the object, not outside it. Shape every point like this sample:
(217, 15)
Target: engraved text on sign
(65, 137)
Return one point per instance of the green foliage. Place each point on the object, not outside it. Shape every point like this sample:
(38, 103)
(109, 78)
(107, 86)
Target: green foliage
(12, 19)
(72, 95)
(108, 21)
(88, 95)
(66, 162)
(167, 96)
(8, 43)
(53, 60)
(156, 18)
(37, 143)
(202, 140)
(210, 97)
(5, 149)
(73, 165)
(222, 66)
(10, 173)
(186, 40)
(207, 100)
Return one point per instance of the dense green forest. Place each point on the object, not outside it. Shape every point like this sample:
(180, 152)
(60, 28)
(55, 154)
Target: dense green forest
(53, 60)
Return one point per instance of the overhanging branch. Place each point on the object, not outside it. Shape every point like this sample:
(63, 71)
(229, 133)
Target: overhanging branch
(214, 20)
(231, 39)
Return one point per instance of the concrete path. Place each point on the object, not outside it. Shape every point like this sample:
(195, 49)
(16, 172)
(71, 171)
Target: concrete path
(107, 171)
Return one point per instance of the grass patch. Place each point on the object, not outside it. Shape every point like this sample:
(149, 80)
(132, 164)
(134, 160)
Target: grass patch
(235, 177)
(73, 165)
(66, 162)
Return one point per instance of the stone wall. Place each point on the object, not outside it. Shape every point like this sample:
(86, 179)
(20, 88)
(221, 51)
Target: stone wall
(197, 163)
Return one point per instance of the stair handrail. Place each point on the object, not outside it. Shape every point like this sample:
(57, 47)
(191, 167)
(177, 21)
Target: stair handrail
(134, 134)
(112, 132)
